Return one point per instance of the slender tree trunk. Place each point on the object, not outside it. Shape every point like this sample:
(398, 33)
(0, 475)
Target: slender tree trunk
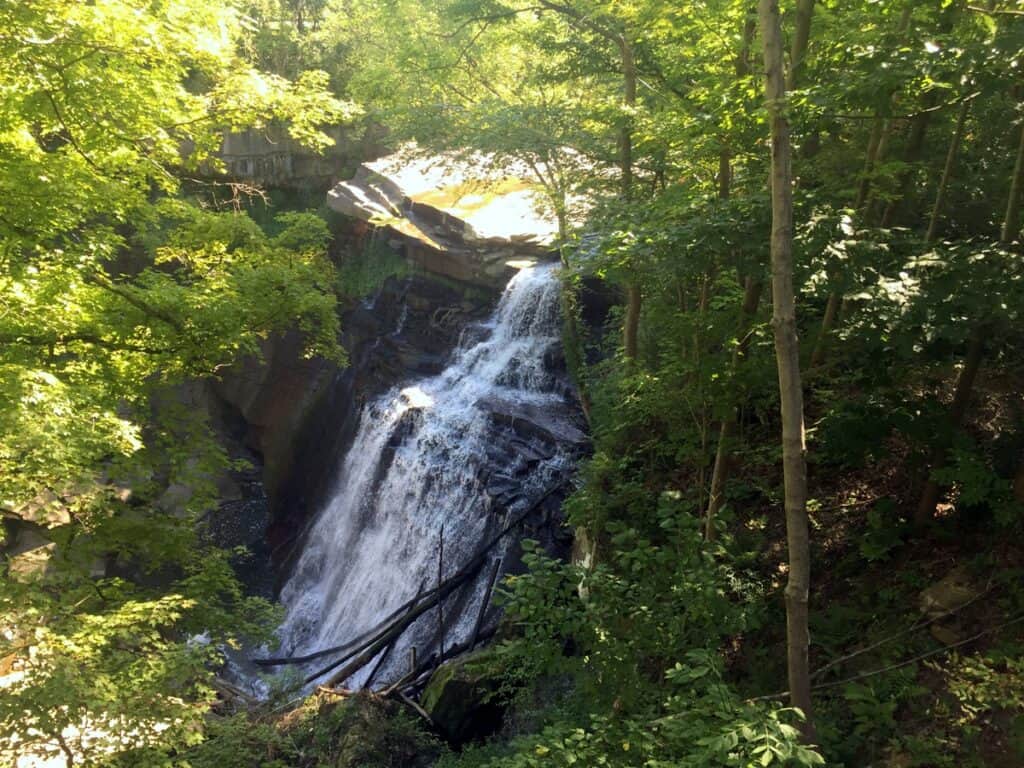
(573, 339)
(634, 297)
(798, 65)
(881, 131)
(870, 159)
(703, 302)
(751, 297)
(871, 213)
(631, 326)
(742, 68)
(1011, 222)
(629, 77)
(802, 33)
(975, 353)
(882, 127)
(828, 322)
(742, 63)
(911, 154)
(957, 410)
(787, 352)
(723, 454)
(947, 171)
(724, 171)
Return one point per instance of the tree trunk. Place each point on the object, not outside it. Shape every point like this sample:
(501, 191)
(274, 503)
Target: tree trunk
(802, 33)
(723, 454)
(1011, 222)
(724, 171)
(911, 154)
(631, 326)
(957, 410)
(870, 210)
(828, 322)
(751, 297)
(573, 340)
(882, 127)
(787, 352)
(881, 130)
(633, 296)
(975, 353)
(869, 163)
(947, 171)
(742, 68)
(628, 62)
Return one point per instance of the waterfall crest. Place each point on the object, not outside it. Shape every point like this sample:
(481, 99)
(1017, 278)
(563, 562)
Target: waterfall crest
(429, 456)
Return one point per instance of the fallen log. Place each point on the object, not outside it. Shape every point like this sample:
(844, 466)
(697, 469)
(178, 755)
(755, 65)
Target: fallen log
(419, 710)
(371, 649)
(484, 603)
(387, 651)
(416, 676)
(359, 652)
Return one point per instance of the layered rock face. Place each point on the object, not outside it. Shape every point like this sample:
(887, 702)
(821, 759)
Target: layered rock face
(270, 158)
(298, 417)
(440, 466)
(458, 217)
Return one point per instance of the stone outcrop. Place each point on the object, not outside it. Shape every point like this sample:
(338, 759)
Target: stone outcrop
(454, 217)
(463, 698)
(270, 158)
(295, 418)
(407, 330)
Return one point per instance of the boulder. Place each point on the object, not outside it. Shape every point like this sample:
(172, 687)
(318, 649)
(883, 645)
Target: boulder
(953, 591)
(463, 700)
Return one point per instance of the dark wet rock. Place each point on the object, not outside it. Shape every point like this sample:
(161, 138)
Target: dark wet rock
(462, 699)
(499, 485)
(536, 424)
(532, 452)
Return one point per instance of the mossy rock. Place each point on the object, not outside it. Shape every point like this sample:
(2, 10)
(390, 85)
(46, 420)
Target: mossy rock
(363, 731)
(464, 698)
(367, 732)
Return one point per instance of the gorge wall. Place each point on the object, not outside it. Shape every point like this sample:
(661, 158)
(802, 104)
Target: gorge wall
(295, 418)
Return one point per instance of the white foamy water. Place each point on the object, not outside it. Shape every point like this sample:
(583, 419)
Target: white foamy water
(417, 464)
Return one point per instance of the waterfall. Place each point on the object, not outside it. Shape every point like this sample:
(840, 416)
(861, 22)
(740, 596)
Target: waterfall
(440, 453)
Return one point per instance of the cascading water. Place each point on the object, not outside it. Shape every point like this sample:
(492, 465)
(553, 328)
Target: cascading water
(427, 457)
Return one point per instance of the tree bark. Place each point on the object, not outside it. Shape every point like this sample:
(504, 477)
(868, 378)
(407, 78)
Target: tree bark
(723, 454)
(724, 171)
(881, 130)
(871, 212)
(742, 68)
(628, 62)
(947, 171)
(1011, 222)
(787, 354)
(802, 33)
